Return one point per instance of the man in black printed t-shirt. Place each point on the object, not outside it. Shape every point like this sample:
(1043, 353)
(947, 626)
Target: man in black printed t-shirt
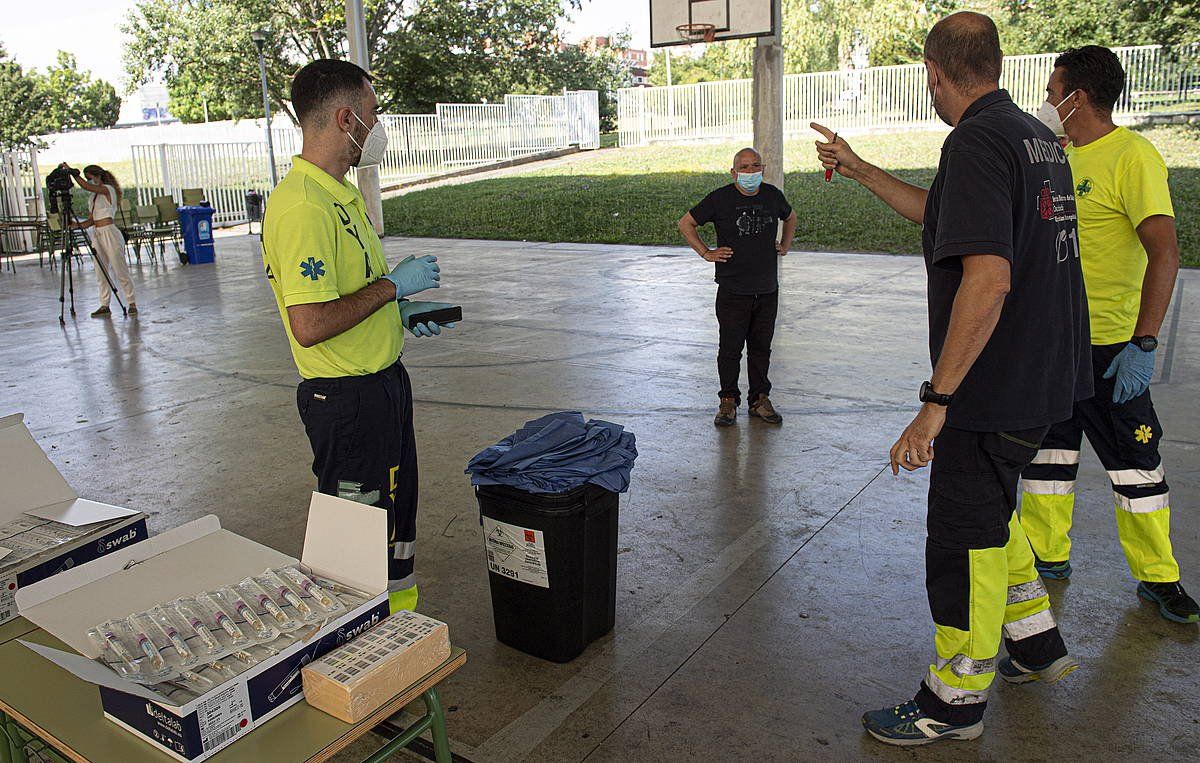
(1009, 342)
(746, 214)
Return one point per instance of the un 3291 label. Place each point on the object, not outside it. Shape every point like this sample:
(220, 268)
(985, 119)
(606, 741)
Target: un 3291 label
(517, 553)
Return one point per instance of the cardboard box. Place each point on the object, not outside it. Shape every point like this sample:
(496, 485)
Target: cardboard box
(358, 678)
(35, 491)
(344, 541)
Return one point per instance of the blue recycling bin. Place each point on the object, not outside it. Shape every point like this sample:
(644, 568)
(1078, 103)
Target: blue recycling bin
(196, 225)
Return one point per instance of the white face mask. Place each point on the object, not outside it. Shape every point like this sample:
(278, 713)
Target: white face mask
(1047, 114)
(374, 148)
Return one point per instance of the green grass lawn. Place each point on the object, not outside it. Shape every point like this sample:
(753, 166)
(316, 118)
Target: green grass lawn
(636, 195)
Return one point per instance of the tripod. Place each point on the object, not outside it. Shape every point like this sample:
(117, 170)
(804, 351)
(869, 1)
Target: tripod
(67, 216)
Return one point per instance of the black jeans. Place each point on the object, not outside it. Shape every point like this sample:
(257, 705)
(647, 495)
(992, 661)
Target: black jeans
(745, 320)
(364, 449)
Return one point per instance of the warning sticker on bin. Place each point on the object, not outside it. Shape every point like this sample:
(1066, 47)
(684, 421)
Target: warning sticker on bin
(516, 552)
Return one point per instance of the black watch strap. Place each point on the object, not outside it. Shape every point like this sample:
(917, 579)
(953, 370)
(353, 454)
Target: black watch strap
(929, 396)
(1147, 343)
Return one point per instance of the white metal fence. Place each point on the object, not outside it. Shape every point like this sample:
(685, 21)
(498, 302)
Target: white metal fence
(886, 97)
(224, 171)
(458, 136)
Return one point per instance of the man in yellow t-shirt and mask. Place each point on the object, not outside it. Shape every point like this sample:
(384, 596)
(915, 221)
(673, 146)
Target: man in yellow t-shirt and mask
(1130, 259)
(344, 310)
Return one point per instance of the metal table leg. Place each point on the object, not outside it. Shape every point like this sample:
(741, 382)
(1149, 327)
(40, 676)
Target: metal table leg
(434, 720)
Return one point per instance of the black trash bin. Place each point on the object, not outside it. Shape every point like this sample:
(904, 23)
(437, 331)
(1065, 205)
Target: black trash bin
(254, 210)
(552, 567)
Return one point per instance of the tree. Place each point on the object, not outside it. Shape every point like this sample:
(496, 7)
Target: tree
(74, 100)
(576, 68)
(1038, 26)
(23, 111)
(205, 57)
(1170, 24)
(1028, 28)
(423, 51)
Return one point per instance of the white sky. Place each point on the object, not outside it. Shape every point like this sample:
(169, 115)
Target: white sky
(33, 32)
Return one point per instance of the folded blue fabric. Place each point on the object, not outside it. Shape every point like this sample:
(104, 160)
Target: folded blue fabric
(556, 453)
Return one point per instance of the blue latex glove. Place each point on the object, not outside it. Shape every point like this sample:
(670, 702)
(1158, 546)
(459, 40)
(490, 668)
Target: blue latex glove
(415, 274)
(1133, 368)
(423, 329)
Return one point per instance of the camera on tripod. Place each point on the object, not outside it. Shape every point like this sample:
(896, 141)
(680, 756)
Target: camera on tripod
(58, 186)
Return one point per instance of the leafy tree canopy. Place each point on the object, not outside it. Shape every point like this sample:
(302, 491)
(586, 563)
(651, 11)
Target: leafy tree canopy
(64, 98)
(423, 52)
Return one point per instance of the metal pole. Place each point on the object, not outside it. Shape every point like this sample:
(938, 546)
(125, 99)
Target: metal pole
(165, 170)
(767, 103)
(262, 70)
(368, 177)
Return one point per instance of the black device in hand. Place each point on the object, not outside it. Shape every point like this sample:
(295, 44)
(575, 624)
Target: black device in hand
(440, 317)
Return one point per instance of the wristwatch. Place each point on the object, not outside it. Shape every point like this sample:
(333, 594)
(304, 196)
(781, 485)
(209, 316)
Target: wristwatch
(1147, 343)
(929, 396)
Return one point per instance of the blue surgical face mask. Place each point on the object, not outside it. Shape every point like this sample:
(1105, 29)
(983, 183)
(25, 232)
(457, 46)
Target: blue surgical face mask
(749, 181)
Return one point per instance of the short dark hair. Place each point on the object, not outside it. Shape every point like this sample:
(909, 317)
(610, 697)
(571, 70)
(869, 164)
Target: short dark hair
(319, 82)
(966, 46)
(1095, 70)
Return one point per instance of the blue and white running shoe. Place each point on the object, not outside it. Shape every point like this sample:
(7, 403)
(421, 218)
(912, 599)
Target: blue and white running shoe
(906, 726)
(1053, 570)
(1016, 673)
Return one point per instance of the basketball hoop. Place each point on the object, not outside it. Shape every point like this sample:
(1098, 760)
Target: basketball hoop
(693, 33)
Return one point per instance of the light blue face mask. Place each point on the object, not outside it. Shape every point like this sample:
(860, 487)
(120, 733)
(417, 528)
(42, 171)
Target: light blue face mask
(749, 181)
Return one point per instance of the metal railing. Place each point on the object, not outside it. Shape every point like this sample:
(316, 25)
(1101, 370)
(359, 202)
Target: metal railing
(879, 98)
(474, 133)
(458, 136)
(224, 171)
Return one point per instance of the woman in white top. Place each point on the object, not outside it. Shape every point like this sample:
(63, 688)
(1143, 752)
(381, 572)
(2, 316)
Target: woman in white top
(106, 236)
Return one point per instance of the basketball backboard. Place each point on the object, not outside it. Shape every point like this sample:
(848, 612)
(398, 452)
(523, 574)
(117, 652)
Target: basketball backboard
(731, 19)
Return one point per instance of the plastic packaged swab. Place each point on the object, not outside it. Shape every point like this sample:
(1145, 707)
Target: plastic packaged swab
(222, 618)
(170, 624)
(106, 639)
(242, 608)
(306, 585)
(141, 635)
(189, 611)
(280, 587)
(259, 596)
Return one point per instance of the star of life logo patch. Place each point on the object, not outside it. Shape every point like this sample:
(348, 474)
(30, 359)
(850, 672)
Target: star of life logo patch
(312, 268)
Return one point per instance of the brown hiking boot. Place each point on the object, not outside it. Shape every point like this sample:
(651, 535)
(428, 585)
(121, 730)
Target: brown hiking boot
(763, 409)
(727, 413)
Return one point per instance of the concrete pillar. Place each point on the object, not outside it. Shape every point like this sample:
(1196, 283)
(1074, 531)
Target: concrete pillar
(767, 103)
(368, 177)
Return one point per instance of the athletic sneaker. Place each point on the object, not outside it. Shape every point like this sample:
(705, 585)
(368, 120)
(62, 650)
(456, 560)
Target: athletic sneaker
(906, 726)
(1053, 570)
(727, 413)
(1173, 602)
(1016, 673)
(102, 312)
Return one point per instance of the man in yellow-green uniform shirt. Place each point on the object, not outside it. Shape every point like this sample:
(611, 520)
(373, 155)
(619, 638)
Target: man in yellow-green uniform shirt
(344, 310)
(1130, 260)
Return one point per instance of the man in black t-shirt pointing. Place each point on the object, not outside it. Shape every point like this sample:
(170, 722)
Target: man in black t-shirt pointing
(1008, 338)
(746, 214)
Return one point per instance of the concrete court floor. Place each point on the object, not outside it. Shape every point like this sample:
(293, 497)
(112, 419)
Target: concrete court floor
(770, 579)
